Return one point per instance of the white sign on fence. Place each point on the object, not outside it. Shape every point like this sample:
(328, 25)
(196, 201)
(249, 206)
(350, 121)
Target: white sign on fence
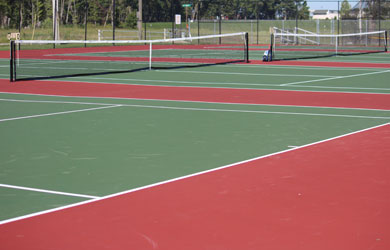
(178, 19)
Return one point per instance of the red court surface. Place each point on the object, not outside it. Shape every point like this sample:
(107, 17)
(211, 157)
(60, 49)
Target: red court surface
(200, 94)
(56, 54)
(331, 195)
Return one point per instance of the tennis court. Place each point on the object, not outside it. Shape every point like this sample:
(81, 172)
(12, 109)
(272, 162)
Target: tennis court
(278, 155)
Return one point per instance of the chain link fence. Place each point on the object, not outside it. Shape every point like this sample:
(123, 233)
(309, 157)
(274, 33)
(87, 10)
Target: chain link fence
(121, 20)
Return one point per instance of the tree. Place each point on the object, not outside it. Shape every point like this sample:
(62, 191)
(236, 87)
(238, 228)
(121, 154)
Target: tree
(293, 9)
(287, 9)
(31, 13)
(160, 10)
(303, 11)
(37, 8)
(251, 9)
(268, 9)
(345, 9)
(377, 9)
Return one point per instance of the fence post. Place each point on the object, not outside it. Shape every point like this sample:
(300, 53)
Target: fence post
(86, 22)
(338, 17)
(379, 19)
(220, 23)
(296, 21)
(113, 20)
(199, 17)
(257, 29)
(145, 27)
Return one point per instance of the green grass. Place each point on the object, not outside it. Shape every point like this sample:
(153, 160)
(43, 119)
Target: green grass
(259, 32)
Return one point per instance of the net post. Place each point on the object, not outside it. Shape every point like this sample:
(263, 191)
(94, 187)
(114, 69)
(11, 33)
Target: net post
(271, 47)
(386, 40)
(246, 47)
(12, 59)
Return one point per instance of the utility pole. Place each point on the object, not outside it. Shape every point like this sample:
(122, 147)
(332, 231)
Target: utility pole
(85, 22)
(113, 19)
(139, 19)
(360, 16)
(56, 24)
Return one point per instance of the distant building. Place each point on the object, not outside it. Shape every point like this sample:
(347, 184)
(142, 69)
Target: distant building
(325, 14)
(359, 10)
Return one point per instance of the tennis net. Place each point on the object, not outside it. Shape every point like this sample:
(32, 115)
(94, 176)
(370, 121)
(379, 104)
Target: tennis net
(291, 46)
(36, 59)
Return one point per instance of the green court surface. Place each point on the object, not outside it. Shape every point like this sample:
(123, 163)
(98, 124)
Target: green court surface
(84, 148)
(295, 52)
(116, 148)
(334, 79)
(373, 58)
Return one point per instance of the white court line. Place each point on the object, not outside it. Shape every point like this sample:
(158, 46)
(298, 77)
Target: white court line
(219, 83)
(88, 69)
(359, 61)
(236, 73)
(101, 52)
(41, 62)
(185, 177)
(48, 191)
(192, 72)
(228, 83)
(162, 100)
(57, 113)
(299, 67)
(206, 109)
(128, 80)
(199, 54)
(32, 67)
(336, 77)
(256, 111)
(54, 102)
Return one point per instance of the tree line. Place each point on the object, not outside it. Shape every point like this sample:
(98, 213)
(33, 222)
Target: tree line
(370, 9)
(38, 13)
(25, 13)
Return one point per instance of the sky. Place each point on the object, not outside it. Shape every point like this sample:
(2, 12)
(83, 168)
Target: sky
(326, 5)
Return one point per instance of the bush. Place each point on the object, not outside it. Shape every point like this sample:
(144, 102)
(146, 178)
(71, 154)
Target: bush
(131, 20)
(48, 23)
